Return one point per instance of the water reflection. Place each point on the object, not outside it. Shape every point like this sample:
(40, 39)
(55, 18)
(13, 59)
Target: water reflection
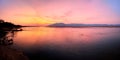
(6, 51)
(69, 43)
(63, 37)
(6, 37)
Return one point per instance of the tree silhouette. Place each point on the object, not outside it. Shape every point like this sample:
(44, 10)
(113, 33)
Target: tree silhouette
(8, 25)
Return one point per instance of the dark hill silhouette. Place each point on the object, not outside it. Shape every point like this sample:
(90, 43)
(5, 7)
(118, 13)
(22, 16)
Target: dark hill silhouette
(83, 25)
(8, 25)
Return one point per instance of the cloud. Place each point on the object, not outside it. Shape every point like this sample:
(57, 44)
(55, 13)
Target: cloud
(72, 11)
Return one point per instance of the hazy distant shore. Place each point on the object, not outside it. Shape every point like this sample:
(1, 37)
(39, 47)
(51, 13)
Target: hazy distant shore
(83, 25)
(65, 26)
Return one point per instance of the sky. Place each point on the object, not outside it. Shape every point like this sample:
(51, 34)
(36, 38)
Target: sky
(45, 12)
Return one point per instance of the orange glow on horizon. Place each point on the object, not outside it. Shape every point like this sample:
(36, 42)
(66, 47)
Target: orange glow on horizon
(34, 13)
(32, 21)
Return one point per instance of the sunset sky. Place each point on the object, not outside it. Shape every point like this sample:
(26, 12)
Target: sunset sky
(44, 12)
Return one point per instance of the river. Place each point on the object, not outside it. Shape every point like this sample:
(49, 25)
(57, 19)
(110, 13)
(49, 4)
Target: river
(87, 43)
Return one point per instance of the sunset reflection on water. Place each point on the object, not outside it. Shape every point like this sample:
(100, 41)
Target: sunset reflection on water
(68, 43)
(62, 37)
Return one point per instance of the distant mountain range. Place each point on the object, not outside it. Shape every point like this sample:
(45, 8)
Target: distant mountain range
(83, 25)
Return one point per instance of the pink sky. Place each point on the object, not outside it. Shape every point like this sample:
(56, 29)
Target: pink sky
(42, 12)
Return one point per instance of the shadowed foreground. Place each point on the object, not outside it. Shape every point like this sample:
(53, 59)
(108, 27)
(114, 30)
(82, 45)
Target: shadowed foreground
(7, 53)
(7, 31)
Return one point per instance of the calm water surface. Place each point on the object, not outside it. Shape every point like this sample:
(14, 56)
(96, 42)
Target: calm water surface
(69, 43)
